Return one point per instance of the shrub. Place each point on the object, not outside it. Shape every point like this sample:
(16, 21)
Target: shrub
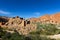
(48, 29)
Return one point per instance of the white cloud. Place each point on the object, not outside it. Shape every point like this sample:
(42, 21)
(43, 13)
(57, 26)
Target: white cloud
(4, 12)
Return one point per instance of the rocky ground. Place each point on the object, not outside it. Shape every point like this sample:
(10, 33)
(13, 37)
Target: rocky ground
(21, 25)
(24, 26)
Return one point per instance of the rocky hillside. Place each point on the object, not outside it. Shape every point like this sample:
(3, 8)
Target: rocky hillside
(54, 19)
(3, 20)
(17, 23)
(25, 26)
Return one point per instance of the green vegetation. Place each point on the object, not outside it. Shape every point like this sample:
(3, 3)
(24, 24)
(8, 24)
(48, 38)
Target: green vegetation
(39, 34)
(46, 29)
(16, 36)
(10, 36)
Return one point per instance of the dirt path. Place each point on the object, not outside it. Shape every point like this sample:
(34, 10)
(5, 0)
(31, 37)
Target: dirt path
(55, 36)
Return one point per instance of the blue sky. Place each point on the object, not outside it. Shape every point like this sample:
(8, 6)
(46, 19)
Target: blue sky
(28, 8)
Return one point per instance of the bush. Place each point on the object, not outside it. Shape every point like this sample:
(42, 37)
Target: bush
(42, 29)
(2, 32)
(48, 29)
(38, 37)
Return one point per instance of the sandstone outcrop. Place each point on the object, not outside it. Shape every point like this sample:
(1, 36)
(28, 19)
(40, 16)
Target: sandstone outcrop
(21, 25)
(25, 26)
(53, 19)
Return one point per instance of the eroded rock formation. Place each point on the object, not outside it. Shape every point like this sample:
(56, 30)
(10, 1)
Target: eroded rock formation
(54, 19)
(25, 26)
(21, 25)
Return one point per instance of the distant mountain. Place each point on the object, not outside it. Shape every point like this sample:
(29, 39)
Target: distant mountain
(54, 19)
(4, 19)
